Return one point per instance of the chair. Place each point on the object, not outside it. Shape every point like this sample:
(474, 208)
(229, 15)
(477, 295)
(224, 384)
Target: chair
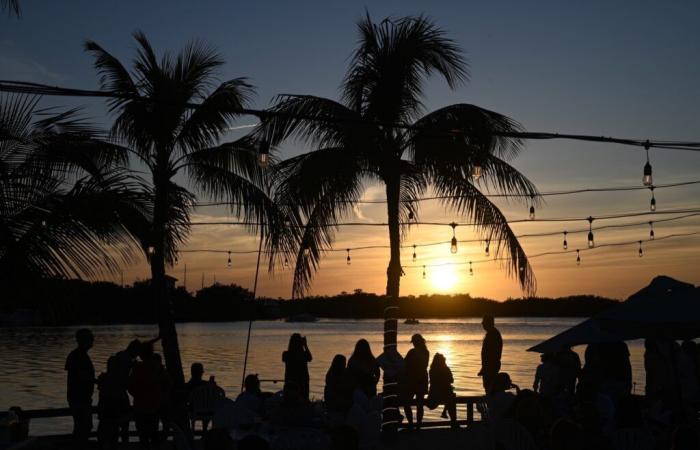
(203, 402)
(513, 436)
(632, 439)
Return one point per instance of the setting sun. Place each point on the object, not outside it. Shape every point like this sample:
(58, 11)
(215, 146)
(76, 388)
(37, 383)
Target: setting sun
(443, 278)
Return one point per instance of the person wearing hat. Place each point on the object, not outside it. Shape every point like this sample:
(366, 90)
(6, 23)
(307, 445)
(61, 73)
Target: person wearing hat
(414, 380)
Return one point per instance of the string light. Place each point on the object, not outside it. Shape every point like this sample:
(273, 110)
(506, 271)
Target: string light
(641, 253)
(532, 207)
(578, 257)
(151, 250)
(286, 263)
(565, 244)
(228, 263)
(453, 243)
(264, 154)
(415, 257)
(591, 242)
(477, 171)
(647, 178)
(471, 271)
(651, 230)
(348, 258)
(486, 250)
(652, 203)
(424, 272)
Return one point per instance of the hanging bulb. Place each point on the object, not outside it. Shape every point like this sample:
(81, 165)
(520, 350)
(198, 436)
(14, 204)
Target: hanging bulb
(641, 253)
(591, 241)
(424, 272)
(453, 243)
(652, 203)
(151, 250)
(566, 244)
(411, 216)
(477, 171)
(348, 258)
(264, 154)
(578, 258)
(647, 178)
(286, 263)
(228, 263)
(651, 231)
(532, 207)
(471, 272)
(177, 258)
(43, 223)
(486, 250)
(415, 257)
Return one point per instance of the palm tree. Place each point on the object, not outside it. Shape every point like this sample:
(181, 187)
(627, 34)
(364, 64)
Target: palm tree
(11, 6)
(65, 209)
(170, 121)
(356, 142)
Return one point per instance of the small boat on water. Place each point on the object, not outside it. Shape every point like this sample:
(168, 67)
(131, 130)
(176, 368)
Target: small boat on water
(411, 322)
(304, 317)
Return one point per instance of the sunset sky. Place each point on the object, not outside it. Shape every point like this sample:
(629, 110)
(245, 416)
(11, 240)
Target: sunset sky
(586, 67)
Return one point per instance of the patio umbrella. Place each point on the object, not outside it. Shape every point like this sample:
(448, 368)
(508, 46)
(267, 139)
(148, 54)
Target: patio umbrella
(666, 309)
(587, 332)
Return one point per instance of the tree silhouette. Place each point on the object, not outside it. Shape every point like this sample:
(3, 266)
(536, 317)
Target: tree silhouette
(11, 6)
(355, 144)
(66, 210)
(170, 120)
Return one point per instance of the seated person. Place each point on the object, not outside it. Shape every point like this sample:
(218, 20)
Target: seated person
(499, 401)
(441, 391)
(196, 378)
(251, 399)
(294, 410)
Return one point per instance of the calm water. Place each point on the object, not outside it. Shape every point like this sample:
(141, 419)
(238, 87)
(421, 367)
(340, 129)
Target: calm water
(32, 375)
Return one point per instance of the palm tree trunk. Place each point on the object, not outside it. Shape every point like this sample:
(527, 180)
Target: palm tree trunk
(390, 414)
(164, 307)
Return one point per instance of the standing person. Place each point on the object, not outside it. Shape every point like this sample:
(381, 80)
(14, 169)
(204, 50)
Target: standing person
(122, 364)
(441, 390)
(296, 363)
(145, 385)
(414, 381)
(196, 378)
(570, 369)
(491, 350)
(81, 384)
(112, 406)
(547, 376)
(363, 369)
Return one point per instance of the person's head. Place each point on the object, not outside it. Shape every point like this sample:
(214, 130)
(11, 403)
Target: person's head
(438, 361)
(488, 322)
(502, 382)
(197, 371)
(133, 348)
(146, 351)
(84, 338)
(296, 343)
(252, 383)
(418, 341)
(338, 364)
(111, 364)
(363, 351)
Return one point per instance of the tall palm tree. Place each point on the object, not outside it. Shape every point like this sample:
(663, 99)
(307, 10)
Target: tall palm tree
(355, 143)
(65, 208)
(170, 120)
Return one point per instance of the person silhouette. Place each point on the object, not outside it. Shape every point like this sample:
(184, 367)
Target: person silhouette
(491, 350)
(251, 398)
(414, 380)
(296, 363)
(112, 406)
(441, 391)
(363, 369)
(81, 384)
(123, 362)
(196, 378)
(337, 395)
(148, 385)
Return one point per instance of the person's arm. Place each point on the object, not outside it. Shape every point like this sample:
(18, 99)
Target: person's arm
(537, 379)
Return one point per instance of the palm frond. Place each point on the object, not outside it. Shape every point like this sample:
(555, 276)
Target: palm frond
(464, 198)
(11, 6)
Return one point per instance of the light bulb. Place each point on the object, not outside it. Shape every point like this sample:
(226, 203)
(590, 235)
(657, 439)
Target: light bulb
(591, 241)
(532, 207)
(641, 253)
(566, 244)
(647, 178)
(264, 154)
(286, 263)
(424, 272)
(651, 231)
(410, 215)
(453, 242)
(477, 171)
(228, 263)
(415, 257)
(176, 260)
(486, 250)
(151, 250)
(652, 204)
(578, 258)
(348, 258)
(43, 223)
(471, 272)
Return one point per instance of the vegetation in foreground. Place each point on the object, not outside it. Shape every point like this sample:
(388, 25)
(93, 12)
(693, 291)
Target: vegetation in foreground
(72, 302)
